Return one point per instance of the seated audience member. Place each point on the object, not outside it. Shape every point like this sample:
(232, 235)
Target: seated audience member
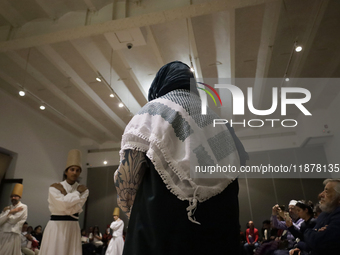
(29, 230)
(324, 238)
(87, 247)
(90, 230)
(268, 233)
(243, 240)
(28, 243)
(317, 210)
(84, 238)
(37, 234)
(305, 212)
(106, 238)
(296, 221)
(279, 241)
(281, 234)
(96, 238)
(252, 236)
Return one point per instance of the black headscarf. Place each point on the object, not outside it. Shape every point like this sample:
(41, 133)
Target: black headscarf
(174, 75)
(177, 75)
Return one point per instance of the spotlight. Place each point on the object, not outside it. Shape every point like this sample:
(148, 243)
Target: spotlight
(298, 48)
(287, 79)
(105, 162)
(42, 107)
(120, 105)
(98, 79)
(21, 93)
(112, 95)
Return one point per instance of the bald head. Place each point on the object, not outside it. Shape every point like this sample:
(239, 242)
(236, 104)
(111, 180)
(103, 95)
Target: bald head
(251, 224)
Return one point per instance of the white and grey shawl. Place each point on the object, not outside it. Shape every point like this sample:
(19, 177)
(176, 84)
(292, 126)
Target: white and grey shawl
(177, 138)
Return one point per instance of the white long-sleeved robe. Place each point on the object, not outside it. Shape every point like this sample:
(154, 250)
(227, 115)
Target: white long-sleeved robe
(63, 237)
(10, 230)
(116, 245)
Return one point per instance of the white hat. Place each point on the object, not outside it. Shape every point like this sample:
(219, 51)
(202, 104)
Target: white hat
(116, 212)
(74, 158)
(292, 202)
(17, 190)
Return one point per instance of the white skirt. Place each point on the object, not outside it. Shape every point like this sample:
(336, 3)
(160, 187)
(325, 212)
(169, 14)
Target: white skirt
(116, 246)
(10, 244)
(61, 238)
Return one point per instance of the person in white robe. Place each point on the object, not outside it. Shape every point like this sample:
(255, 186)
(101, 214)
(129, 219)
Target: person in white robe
(11, 220)
(116, 244)
(62, 234)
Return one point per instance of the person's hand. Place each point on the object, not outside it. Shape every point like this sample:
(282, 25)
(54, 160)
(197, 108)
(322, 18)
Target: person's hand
(323, 228)
(81, 188)
(29, 237)
(15, 210)
(292, 251)
(6, 208)
(275, 209)
(59, 187)
(289, 222)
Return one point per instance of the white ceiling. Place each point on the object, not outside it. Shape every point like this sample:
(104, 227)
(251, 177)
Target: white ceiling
(70, 43)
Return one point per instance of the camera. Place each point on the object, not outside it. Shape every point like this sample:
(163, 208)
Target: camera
(129, 45)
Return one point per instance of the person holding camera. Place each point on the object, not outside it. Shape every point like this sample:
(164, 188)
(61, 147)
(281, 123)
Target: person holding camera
(292, 216)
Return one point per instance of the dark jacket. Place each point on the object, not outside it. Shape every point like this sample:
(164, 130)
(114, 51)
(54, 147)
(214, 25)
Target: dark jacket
(327, 241)
(299, 233)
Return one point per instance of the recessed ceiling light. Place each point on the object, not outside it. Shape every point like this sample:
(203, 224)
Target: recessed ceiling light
(120, 105)
(192, 69)
(287, 79)
(105, 162)
(298, 48)
(98, 79)
(42, 107)
(21, 93)
(112, 95)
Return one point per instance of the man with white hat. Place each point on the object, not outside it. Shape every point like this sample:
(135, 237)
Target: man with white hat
(11, 220)
(116, 243)
(66, 199)
(292, 217)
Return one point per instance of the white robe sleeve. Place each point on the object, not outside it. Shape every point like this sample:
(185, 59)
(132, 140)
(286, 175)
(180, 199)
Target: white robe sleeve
(19, 217)
(71, 203)
(3, 217)
(116, 224)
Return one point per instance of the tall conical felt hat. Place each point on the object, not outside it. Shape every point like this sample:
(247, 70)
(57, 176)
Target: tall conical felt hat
(74, 158)
(116, 212)
(18, 188)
